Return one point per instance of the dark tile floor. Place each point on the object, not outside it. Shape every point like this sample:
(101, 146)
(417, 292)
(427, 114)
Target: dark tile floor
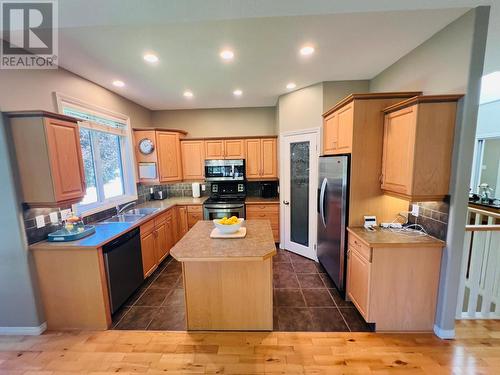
(305, 299)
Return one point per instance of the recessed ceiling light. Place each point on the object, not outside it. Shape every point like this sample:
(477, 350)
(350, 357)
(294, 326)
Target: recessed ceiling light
(151, 58)
(291, 86)
(188, 94)
(118, 83)
(227, 54)
(237, 92)
(307, 50)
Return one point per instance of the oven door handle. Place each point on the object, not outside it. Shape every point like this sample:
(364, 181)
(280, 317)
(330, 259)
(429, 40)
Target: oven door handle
(225, 208)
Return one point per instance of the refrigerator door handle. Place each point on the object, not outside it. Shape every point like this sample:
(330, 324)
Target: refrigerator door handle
(322, 201)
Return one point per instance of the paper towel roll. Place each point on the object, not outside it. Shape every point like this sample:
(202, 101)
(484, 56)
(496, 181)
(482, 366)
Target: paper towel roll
(196, 189)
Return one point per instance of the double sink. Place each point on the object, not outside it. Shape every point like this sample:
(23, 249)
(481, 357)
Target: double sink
(131, 216)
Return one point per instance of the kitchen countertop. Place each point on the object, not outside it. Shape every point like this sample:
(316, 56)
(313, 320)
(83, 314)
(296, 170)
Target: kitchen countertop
(391, 238)
(260, 200)
(197, 245)
(105, 232)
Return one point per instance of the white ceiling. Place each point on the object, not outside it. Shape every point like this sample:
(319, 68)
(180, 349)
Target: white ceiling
(104, 41)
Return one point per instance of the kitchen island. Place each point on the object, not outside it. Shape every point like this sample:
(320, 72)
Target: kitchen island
(228, 282)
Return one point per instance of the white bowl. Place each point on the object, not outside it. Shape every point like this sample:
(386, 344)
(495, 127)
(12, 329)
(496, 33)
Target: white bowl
(228, 229)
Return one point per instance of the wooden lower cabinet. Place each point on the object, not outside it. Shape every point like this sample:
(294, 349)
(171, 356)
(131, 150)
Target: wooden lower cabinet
(157, 238)
(359, 280)
(394, 286)
(269, 212)
(194, 214)
(148, 248)
(182, 222)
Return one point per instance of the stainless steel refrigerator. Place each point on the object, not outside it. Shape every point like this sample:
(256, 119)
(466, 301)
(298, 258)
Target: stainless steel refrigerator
(333, 190)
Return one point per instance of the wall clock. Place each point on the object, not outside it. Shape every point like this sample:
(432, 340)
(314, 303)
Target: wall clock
(146, 146)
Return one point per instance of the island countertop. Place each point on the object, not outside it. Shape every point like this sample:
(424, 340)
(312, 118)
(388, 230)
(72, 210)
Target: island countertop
(197, 245)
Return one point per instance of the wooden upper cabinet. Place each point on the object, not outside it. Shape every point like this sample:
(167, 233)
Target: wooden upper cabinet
(330, 133)
(269, 158)
(418, 146)
(253, 158)
(169, 156)
(399, 136)
(234, 149)
(214, 149)
(261, 158)
(345, 129)
(224, 149)
(49, 158)
(193, 160)
(338, 131)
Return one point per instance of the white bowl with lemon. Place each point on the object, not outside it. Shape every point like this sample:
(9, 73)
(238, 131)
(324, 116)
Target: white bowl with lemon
(228, 225)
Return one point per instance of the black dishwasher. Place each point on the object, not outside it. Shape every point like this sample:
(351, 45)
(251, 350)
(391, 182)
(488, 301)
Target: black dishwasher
(123, 262)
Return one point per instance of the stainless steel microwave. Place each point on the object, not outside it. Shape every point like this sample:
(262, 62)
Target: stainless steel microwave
(225, 170)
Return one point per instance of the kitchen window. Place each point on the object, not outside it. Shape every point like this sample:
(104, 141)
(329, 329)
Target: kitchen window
(105, 140)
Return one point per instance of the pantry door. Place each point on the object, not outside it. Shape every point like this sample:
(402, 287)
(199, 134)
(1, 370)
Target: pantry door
(299, 176)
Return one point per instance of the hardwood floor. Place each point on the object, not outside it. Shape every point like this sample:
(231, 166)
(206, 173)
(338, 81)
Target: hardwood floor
(475, 351)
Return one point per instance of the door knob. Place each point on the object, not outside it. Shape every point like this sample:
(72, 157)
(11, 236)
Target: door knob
(286, 203)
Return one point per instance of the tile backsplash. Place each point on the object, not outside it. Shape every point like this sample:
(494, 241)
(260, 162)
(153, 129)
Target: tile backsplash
(35, 234)
(433, 217)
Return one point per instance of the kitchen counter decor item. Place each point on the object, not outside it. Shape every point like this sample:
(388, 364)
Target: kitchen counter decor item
(78, 232)
(228, 226)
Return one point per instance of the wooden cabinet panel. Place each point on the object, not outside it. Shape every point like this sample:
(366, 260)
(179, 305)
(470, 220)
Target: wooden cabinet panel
(363, 250)
(214, 149)
(258, 208)
(148, 249)
(265, 212)
(195, 208)
(358, 281)
(345, 129)
(157, 238)
(48, 157)
(234, 149)
(170, 230)
(418, 146)
(161, 241)
(269, 158)
(169, 156)
(175, 225)
(330, 132)
(399, 142)
(261, 158)
(65, 155)
(193, 160)
(253, 156)
(338, 130)
(182, 221)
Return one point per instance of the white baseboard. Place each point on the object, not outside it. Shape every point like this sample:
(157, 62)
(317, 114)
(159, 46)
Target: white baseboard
(445, 334)
(24, 331)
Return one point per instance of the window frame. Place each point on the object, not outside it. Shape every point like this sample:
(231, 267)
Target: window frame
(126, 149)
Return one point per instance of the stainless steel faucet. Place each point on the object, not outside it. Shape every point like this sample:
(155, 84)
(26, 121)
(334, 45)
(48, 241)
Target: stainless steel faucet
(120, 210)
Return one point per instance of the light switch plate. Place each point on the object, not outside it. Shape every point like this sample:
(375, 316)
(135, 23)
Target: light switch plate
(40, 221)
(65, 214)
(203, 187)
(415, 210)
(54, 218)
